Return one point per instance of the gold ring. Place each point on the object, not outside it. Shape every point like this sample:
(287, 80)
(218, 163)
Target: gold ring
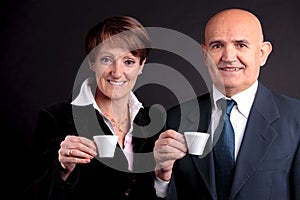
(69, 153)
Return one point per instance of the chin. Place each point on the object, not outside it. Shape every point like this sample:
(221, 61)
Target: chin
(118, 96)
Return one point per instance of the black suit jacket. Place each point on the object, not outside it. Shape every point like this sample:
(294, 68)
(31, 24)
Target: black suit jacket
(268, 163)
(107, 178)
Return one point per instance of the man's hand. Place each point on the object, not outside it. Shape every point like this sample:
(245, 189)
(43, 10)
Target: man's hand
(169, 147)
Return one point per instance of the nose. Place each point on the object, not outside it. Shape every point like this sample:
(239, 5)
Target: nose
(117, 69)
(229, 54)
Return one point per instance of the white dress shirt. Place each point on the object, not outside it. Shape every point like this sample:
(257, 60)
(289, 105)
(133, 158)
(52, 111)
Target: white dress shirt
(86, 97)
(238, 117)
(239, 113)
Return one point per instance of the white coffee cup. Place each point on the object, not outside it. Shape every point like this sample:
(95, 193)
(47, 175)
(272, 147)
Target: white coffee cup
(106, 145)
(196, 142)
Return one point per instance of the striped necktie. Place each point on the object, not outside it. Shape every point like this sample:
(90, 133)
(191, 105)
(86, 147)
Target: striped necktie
(224, 155)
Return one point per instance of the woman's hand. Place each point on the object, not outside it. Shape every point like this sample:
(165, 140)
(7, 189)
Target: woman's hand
(75, 150)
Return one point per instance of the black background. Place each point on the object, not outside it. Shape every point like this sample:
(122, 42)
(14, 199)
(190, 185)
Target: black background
(43, 47)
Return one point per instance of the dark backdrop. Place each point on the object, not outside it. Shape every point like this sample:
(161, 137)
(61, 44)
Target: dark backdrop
(43, 46)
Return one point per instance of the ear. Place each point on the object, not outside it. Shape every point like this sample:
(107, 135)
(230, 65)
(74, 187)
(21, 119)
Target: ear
(91, 64)
(265, 50)
(206, 57)
(142, 66)
(204, 52)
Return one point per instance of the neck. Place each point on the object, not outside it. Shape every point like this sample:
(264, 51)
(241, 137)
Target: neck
(116, 110)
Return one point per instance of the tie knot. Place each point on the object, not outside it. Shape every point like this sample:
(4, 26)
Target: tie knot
(230, 104)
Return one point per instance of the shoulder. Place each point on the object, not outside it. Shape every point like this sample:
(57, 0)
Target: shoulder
(202, 102)
(287, 104)
(142, 118)
(56, 112)
(190, 113)
(286, 101)
(150, 115)
(55, 119)
(283, 102)
(58, 108)
(274, 101)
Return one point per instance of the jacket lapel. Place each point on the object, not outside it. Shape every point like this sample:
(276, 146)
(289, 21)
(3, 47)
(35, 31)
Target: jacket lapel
(201, 122)
(258, 136)
(205, 168)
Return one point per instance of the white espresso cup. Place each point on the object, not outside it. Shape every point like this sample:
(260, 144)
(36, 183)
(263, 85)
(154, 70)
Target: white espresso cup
(106, 145)
(196, 142)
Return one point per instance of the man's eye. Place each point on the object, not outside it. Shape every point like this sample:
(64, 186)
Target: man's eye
(216, 46)
(242, 45)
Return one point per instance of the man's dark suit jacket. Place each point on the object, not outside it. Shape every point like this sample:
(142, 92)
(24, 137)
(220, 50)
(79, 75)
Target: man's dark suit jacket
(268, 163)
(96, 180)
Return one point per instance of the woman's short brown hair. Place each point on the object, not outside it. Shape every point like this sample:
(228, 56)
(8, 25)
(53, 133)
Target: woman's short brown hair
(119, 31)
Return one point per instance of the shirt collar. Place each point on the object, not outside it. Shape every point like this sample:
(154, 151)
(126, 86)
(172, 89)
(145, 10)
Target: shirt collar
(87, 97)
(244, 99)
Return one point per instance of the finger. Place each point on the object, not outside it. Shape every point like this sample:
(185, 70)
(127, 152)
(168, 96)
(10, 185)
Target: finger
(83, 140)
(67, 160)
(178, 143)
(73, 156)
(81, 146)
(87, 142)
(86, 146)
(169, 153)
(174, 135)
(79, 153)
(69, 152)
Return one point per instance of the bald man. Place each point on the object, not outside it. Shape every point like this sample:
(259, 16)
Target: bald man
(266, 125)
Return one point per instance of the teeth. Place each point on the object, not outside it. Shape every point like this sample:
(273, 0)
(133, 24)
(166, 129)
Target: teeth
(116, 83)
(230, 69)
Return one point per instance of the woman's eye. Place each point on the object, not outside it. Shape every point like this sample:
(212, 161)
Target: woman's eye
(106, 60)
(129, 62)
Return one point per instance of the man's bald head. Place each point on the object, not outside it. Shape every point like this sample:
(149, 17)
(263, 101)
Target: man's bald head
(235, 18)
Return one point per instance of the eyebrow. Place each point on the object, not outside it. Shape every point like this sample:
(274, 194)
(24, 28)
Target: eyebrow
(127, 55)
(242, 41)
(234, 41)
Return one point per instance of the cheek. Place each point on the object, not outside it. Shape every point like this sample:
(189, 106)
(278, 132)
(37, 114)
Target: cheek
(252, 62)
(101, 71)
(132, 79)
(100, 78)
(251, 59)
(213, 57)
(98, 75)
(100, 68)
(132, 74)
